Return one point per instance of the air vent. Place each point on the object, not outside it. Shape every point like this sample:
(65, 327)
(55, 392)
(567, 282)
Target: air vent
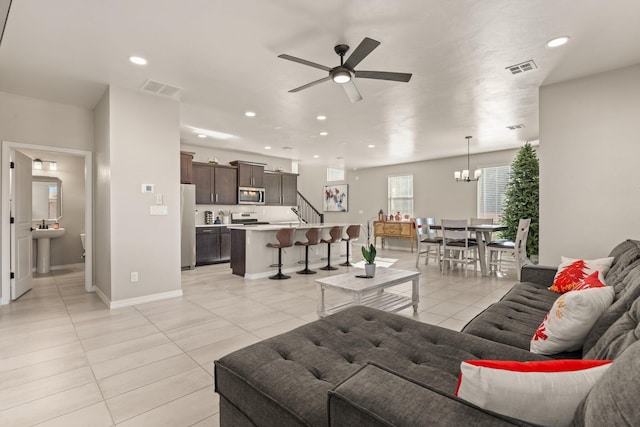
(522, 67)
(514, 127)
(160, 88)
(287, 148)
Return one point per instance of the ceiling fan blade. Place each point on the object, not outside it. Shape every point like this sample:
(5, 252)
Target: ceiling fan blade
(352, 91)
(365, 47)
(304, 62)
(384, 75)
(308, 85)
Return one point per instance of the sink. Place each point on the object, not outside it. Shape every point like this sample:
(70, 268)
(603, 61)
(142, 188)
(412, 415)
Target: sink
(47, 233)
(44, 236)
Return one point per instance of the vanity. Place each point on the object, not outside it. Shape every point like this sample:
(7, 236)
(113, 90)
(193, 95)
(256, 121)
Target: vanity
(46, 206)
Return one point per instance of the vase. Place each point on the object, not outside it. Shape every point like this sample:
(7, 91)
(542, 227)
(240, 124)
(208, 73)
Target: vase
(370, 270)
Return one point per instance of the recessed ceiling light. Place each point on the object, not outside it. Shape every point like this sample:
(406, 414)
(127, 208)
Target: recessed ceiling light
(250, 114)
(201, 135)
(138, 60)
(558, 41)
(267, 148)
(211, 133)
(315, 156)
(371, 146)
(324, 133)
(321, 117)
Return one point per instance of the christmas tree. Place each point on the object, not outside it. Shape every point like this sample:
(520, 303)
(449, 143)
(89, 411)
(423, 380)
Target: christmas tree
(521, 199)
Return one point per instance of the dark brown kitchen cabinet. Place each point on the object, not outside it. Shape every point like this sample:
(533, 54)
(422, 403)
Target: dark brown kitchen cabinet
(225, 185)
(272, 189)
(280, 189)
(289, 189)
(186, 168)
(203, 179)
(249, 174)
(212, 245)
(215, 184)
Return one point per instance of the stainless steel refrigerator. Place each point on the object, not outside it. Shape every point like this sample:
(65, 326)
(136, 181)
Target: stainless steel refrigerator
(188, 226)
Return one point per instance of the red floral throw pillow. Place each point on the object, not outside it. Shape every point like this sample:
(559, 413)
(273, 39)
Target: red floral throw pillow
(572, 272)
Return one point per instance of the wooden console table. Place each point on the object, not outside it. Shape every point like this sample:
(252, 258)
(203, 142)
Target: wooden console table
(396, 229)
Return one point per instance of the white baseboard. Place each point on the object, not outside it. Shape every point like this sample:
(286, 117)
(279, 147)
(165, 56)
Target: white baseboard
(137, 300)
(62, 267)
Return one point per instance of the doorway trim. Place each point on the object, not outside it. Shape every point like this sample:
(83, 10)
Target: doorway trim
(7, 146)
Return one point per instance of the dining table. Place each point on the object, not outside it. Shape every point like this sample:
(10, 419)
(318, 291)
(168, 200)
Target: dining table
(483, 236)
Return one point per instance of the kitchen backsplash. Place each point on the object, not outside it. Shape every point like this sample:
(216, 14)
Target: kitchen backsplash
(265, 213)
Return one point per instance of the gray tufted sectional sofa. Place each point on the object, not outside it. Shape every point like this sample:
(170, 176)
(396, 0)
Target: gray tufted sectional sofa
(364, 367)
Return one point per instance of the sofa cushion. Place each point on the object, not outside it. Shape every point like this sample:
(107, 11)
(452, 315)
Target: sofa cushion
(514, 319)
(622, 334)
(265, 379)
(375, 397)
(628, 291)
(624, 256)
(613, 401)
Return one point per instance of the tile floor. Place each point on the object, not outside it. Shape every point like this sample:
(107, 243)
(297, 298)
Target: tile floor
(66, 360)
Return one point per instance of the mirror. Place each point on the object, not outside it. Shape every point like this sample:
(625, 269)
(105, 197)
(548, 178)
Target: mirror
(46, 193)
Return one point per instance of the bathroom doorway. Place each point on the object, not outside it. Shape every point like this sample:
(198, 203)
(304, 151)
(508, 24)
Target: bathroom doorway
(73, 168)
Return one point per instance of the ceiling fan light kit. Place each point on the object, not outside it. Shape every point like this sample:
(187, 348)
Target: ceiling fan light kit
(463, 176)
(345, 73)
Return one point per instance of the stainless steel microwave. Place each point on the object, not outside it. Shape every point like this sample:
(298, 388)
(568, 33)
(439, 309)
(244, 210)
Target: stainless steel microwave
(250, 196)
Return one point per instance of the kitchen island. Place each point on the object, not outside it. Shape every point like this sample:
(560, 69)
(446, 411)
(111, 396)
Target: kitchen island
(252, 259)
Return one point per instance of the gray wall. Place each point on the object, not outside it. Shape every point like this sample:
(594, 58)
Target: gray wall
(436, 193)
(589, 176)
(144, 148)
(102, 198)
(67, 249)
(35, 121)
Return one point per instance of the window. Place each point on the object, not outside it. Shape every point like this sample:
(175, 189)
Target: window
(491, 191)
(335, 174)
(400, 192)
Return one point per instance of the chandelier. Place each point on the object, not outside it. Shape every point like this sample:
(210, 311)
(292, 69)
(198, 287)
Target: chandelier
(464, 175)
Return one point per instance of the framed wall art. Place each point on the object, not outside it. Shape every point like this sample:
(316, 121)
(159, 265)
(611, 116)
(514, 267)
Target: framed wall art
(336, 198)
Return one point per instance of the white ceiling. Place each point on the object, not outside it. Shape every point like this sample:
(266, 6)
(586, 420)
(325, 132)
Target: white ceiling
(223, 56)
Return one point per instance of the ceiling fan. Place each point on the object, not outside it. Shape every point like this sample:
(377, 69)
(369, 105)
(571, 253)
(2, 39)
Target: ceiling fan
(345, 72)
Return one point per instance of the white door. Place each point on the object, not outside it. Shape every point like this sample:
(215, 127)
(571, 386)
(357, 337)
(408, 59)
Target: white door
(21, 228)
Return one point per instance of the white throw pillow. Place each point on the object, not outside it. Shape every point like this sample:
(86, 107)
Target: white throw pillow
(570, 319)
(545, 393)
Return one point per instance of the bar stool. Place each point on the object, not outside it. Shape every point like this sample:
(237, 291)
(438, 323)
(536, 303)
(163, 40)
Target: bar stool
(285, 240)
(313, 238)
(353, 232)
(336, 236)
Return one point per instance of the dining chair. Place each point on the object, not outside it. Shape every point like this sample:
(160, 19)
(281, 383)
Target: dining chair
(429, 240)
(472, 234)
(457, 247)
(518, 248)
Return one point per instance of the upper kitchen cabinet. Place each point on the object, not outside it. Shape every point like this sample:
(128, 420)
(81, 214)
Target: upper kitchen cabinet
(186, 168)
(289, 189)
(249, 174)
(225, 184)
(280, 189)
(203, 179)
(215, 184)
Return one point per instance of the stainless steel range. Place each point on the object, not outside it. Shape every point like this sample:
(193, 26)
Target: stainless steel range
(246, 218)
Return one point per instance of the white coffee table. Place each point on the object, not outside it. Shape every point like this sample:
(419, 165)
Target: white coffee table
(370, 292)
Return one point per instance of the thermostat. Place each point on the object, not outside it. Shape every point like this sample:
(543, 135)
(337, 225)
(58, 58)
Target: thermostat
(147, 188)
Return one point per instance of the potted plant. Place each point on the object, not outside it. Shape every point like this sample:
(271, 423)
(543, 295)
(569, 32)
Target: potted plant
(369, 257)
